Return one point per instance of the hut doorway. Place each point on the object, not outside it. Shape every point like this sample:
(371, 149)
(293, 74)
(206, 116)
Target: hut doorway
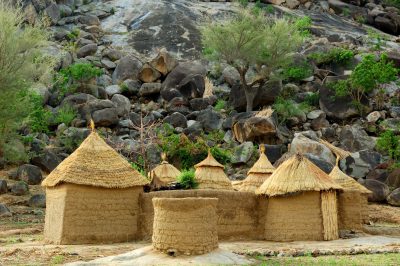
(329, 215)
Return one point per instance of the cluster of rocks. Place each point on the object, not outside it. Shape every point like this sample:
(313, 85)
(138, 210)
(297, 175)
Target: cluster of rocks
(132, 91)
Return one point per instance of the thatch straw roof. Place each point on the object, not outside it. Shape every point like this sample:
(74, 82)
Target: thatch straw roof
(95, 163)
(297, 174)
(257, 175)
(336, 150)
(347, 182)
(210, 174)
(164, 174)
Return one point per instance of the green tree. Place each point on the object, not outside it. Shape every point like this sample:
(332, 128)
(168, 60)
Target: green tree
(252, 40)
(21, 65)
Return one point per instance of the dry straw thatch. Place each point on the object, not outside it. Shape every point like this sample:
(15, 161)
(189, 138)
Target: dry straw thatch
(336, 150)
(164, 174)
(185, 225)
(329, 215)
(257, 175)
(347, 182)
(210, 174)
(95, 163)
(295, 175)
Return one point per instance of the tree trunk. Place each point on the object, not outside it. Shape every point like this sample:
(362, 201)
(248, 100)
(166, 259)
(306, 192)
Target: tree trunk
(250, 95)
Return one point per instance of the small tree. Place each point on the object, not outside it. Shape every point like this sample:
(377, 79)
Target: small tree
(251, 40)
(21, 65)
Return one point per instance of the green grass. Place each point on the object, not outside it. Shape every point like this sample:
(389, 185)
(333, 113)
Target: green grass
(348, 260)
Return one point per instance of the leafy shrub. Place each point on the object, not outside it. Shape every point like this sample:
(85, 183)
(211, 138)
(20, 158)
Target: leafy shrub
(365, 78)
(221, 104)
(39, 118)
(303, 24)
(312, 99)
(189, 152)
(335, 55)
(187, 179)
(21, 65)
(286, 108)
(395, 3)
(389, 142)
(297, 73)
(65, 115)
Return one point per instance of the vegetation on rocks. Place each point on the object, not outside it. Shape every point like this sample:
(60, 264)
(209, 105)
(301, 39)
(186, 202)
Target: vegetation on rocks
(252, 41)
(187, 179)
(22, 65)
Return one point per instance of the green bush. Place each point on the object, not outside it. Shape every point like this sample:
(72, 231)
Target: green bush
(303, 24)
(297, 73)
(66, 115)
(366, 77)
(312, 99)
(335, 55)
(39, 118)
(187, 179)
(286, 108)
(395, 3)
(21, 65)
(221, 104)
(389, 142)
(188, 152)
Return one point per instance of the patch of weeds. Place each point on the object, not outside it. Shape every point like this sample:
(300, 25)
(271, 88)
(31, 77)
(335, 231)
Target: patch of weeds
(58, 259)
(221, 104)
(187, 179)
(336, 55)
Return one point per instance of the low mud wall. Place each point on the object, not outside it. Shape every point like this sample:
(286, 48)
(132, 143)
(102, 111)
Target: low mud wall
(237, 212)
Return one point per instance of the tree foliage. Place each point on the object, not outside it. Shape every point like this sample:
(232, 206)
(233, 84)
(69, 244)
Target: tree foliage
(21, 65)
(252, 40)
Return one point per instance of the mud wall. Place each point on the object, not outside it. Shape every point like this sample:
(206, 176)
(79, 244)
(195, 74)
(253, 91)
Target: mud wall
(352, 206)
(237, 212)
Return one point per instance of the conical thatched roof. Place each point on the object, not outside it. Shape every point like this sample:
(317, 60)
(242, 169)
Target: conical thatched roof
(164, 174)
(210, 174)
(95, 163)
(336, 150)
(257, 175)
(295, 175)
(347, 182)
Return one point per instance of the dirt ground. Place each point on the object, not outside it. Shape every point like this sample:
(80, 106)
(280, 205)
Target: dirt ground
(21, 236)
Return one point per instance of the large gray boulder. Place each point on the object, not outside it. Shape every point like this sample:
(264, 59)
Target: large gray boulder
(335, 107)
(30, 174)
(176, 120)
(185, 80)
(20, 188)
(37, 201)
(393, 179)
(210, 120)
(4, 211)
(122, 104)
(3, 187)
(394, 198)
(359, 164)
(354, 138)
(302, 144)
(105, 117)
(379, 190)
(128, 67)
(242, 153)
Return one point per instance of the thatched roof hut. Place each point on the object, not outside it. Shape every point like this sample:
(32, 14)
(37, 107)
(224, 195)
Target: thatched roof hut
(352, 201)
(301, 202)
(210, 174)
(260, 171)
(164, 174)
(91, 191)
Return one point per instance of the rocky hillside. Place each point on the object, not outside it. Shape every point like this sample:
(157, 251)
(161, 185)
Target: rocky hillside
(136, 68)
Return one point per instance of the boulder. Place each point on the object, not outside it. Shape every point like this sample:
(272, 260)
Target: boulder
(274, 152)
(178, 104)
(4, 211)
(302, 144)
(128, 67)
(113, 89)
(373, 117)
(393, 179)
(149, 89)
(359, 164)
(394, 198)
(335, 107)
(90, 20)
(53, 12)
(105, 117)
(149, 74)
(20, 188)
(37, 201)
(46, 159)
(265, 95)
(210, 120)
(354, 138)
(3, 187)
(322, 164)
(176, 120)
(242, 153)
(199, 104)
(379, 190)
(164, 62)
(30, 174)
(247, 127)
(122, 104)
(187, 78)
(89, 49)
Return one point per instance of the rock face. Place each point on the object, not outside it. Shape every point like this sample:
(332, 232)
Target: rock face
(394, 198)
(304, 145)
(335, 107)
(242, 153)
(127, 68)
(354, 138)
(379, 190)
(30, 174)
(359, 164)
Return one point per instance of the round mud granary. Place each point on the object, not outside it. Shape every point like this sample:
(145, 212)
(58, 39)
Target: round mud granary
(185, 225)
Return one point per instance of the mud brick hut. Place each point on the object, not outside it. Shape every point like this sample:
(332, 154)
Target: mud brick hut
(185, 225)
(210, 174)
(257, 175)
(301, 202)
(92, 196)
(352, 201)
(163, 175)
